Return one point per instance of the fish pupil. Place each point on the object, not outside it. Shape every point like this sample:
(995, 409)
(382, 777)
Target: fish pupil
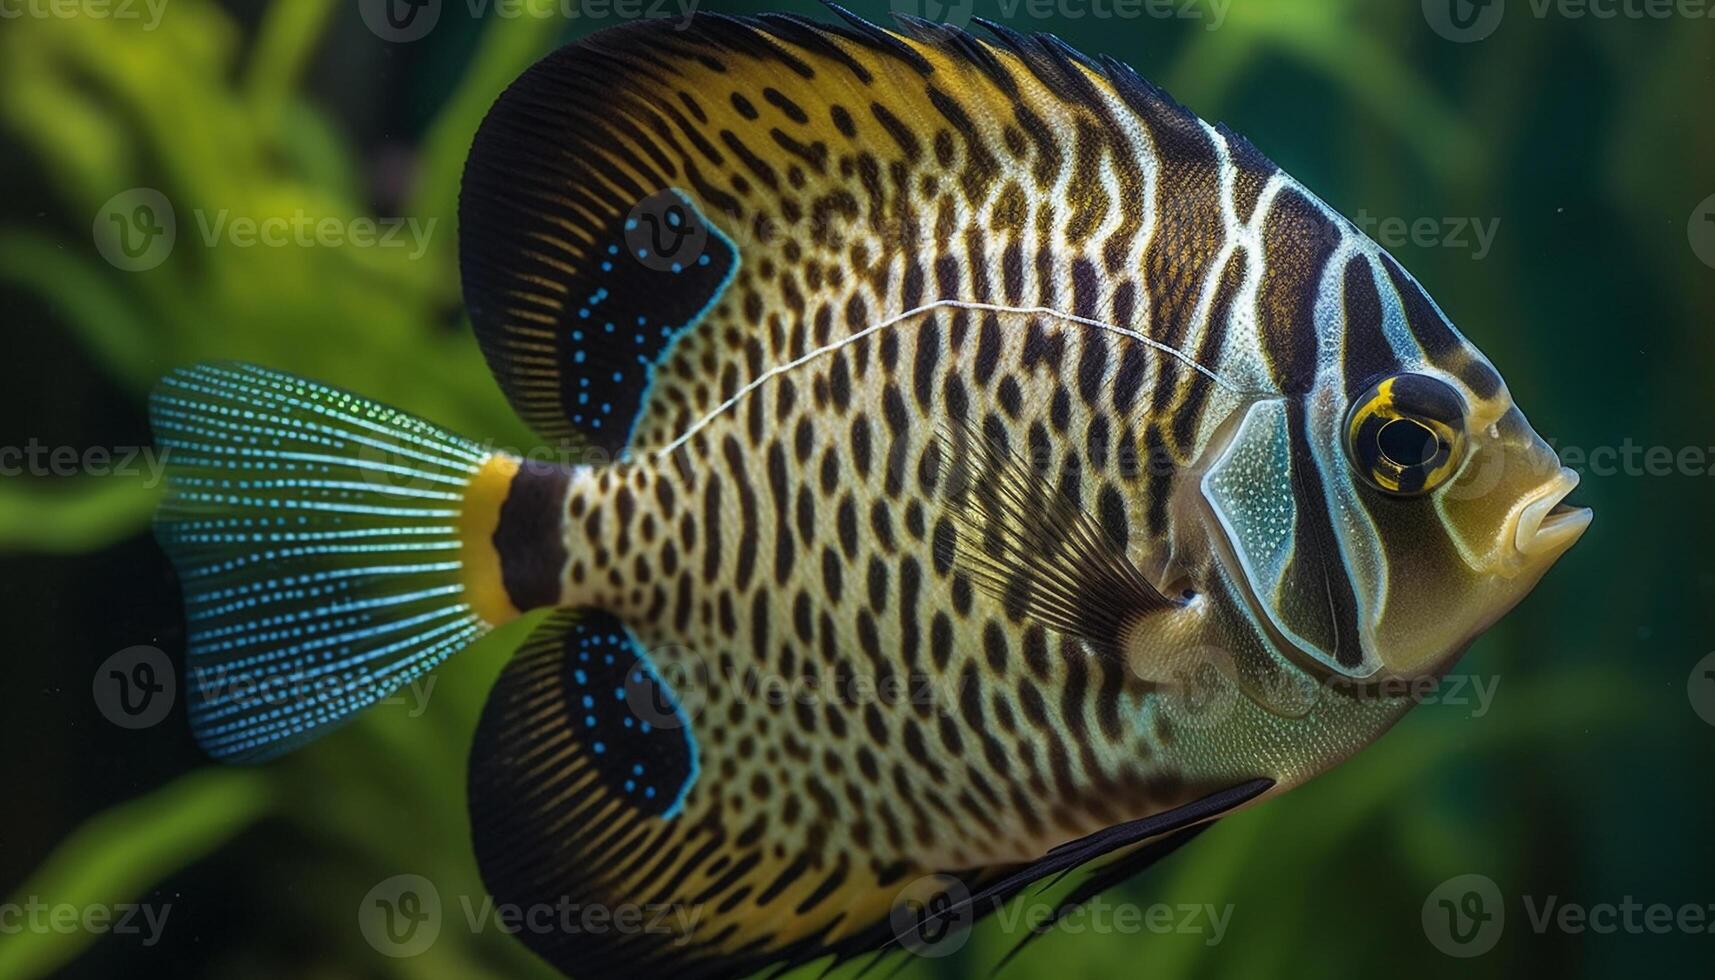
(1407, 443)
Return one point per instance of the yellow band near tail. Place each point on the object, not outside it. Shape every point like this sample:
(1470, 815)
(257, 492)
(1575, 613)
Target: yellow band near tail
(485, 590)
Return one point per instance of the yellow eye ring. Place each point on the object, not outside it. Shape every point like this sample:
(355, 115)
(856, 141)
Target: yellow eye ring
(1406, 435)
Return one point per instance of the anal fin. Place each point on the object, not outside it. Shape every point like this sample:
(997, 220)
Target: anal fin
(582, 758)
(1131, 846)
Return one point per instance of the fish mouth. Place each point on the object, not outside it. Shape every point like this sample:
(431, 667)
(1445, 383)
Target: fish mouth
(1548, 525)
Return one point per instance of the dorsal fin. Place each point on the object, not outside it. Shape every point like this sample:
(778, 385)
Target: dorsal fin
(575, 338)
(793, 151)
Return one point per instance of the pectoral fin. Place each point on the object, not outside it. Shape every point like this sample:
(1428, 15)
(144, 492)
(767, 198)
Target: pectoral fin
(1022, 540)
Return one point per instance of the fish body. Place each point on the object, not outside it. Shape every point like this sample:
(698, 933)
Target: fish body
(974, 451)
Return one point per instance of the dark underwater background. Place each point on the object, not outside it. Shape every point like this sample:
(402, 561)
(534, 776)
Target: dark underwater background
(1582, 146)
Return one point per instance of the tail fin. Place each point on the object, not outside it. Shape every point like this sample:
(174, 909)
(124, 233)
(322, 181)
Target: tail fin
(320, 539)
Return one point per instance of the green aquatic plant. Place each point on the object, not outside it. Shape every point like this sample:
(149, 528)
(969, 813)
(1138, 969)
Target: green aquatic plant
(102, 106)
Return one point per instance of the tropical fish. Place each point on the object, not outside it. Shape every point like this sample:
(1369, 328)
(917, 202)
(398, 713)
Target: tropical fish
(1078, 475)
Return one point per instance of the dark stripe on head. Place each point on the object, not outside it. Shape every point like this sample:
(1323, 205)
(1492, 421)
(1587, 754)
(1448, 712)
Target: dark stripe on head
(529, 535)
(1298, 240)
(1441, 345)
(1317, 570)
(1368, 354)
(1433, 333)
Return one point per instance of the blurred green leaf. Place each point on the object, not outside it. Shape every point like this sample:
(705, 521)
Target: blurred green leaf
(118, 856)
(73, 516)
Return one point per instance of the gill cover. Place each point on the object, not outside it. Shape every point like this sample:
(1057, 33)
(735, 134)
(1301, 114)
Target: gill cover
(1270, 498)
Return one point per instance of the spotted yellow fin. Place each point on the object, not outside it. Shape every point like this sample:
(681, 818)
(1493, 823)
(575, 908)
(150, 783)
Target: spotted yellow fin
(587, 792)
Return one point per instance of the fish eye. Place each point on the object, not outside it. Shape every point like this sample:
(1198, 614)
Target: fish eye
(1406, 435)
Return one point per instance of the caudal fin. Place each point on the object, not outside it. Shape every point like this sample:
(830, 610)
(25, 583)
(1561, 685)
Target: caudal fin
(321, 542)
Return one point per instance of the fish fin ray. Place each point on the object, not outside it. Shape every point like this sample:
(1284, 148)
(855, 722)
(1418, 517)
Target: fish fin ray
(582, 756)
(1023, 541)
(1125, 866)
(776, 137)
(317, 540)
(1157, 829)
(552, 827)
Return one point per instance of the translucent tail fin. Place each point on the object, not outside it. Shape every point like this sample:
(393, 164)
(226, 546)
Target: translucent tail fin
(318, 539)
